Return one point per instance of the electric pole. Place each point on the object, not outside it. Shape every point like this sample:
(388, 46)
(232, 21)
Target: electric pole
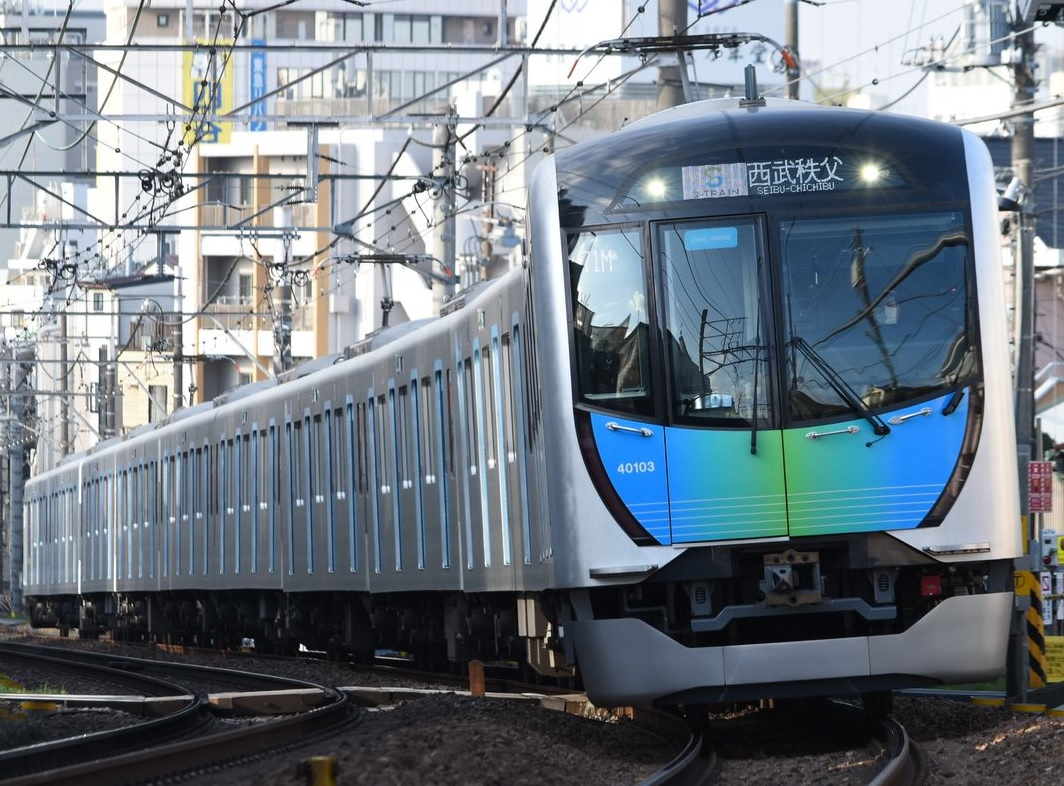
(1018, 678)
(790, 43)
(672, 19)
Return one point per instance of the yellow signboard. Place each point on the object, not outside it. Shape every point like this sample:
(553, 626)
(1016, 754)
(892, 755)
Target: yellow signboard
(207, 76)
(1054, 658)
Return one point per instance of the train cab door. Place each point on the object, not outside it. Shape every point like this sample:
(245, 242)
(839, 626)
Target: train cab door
(715, 471)
(723, 447)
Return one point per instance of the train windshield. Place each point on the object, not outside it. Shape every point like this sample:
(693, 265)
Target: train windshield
(874, 307)
(716, 333)
(610, 321)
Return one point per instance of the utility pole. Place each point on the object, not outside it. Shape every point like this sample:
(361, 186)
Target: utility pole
(790, 43)
(672, 20)
(444, 139)
(1018, 678)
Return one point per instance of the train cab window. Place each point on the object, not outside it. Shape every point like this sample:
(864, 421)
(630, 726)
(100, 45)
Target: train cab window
(878, 310)
(609, 318)
(715, 331)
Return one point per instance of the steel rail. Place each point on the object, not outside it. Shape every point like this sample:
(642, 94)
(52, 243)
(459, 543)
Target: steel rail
(141, 752)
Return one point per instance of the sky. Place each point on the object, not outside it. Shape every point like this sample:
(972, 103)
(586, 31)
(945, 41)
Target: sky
(867, 43)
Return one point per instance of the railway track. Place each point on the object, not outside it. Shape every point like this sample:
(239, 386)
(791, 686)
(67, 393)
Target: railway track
(174, 746)
(892, 758)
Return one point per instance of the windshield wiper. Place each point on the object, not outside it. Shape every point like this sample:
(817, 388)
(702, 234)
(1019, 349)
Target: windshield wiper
(841, 386)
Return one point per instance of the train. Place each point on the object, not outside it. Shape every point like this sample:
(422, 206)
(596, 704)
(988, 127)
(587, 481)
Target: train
(738, 427)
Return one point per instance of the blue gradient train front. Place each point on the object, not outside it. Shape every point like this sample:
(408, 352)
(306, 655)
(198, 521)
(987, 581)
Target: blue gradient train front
(788, 379)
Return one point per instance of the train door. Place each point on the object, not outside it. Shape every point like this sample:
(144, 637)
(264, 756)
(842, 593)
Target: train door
(724, 449)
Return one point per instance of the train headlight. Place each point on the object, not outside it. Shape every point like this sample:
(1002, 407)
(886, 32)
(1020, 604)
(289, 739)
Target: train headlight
(871, 173)
(655, 188)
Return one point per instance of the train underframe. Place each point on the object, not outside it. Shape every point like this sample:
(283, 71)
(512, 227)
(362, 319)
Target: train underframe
(707, 598)
(433, 631)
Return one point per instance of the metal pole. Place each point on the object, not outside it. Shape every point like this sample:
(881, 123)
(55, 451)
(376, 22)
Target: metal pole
(1017, 673)
(672, 19)
(443, 240)
(790, 41)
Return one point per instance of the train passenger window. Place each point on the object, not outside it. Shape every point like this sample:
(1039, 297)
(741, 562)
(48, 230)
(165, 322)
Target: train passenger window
(206, 467)
(472, 432)
(351, 484)
(154, 517)
(256, 499)
(312, 446)
(611, 331)
(334, 458)
(362, 443)
(168, 510)
(273, 494)
(487, 395)
(415, 473)
(402, 439)
(449, 409)
(442, 419)
(509, 399)
(714, 327)
(427, 433)
(240, 480)
(396, 441)
(225, 498)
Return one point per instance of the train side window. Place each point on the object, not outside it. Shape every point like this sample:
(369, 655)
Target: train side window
(442, 422)
(417, 474)
(472, 432)
(168, 510)
(205, 467)
(395, 439)
(611, 330)
(181, 488)
(378, 486)
(351, 483)
(487, 391)
(294, 478)
(155, 505)
(273, 494)
(312, 445)
(241, 483)
(225, 495)
(427, 433)
(449, 409)
(334, 459)
(402, 441)
(256, 499)
(498, 409)
(362, 444)
(509, 399)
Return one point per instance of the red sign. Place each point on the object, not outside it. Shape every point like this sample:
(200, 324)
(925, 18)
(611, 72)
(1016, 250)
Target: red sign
(1040, 486)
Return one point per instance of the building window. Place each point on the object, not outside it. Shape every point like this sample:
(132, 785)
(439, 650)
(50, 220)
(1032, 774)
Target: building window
(244, 289)
(162, 20)
(97, 301)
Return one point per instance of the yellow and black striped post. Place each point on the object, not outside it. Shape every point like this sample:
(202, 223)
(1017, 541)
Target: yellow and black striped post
(1029, 584)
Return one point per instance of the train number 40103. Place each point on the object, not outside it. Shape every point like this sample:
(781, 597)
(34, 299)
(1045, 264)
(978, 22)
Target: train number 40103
(635, 467)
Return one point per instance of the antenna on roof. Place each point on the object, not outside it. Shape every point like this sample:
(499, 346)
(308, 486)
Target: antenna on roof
(753, 98)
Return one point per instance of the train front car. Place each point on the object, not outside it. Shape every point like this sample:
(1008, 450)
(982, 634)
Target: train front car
(794, 465)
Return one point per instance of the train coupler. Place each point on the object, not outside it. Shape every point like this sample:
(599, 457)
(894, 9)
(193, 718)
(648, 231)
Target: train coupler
(791, 578)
